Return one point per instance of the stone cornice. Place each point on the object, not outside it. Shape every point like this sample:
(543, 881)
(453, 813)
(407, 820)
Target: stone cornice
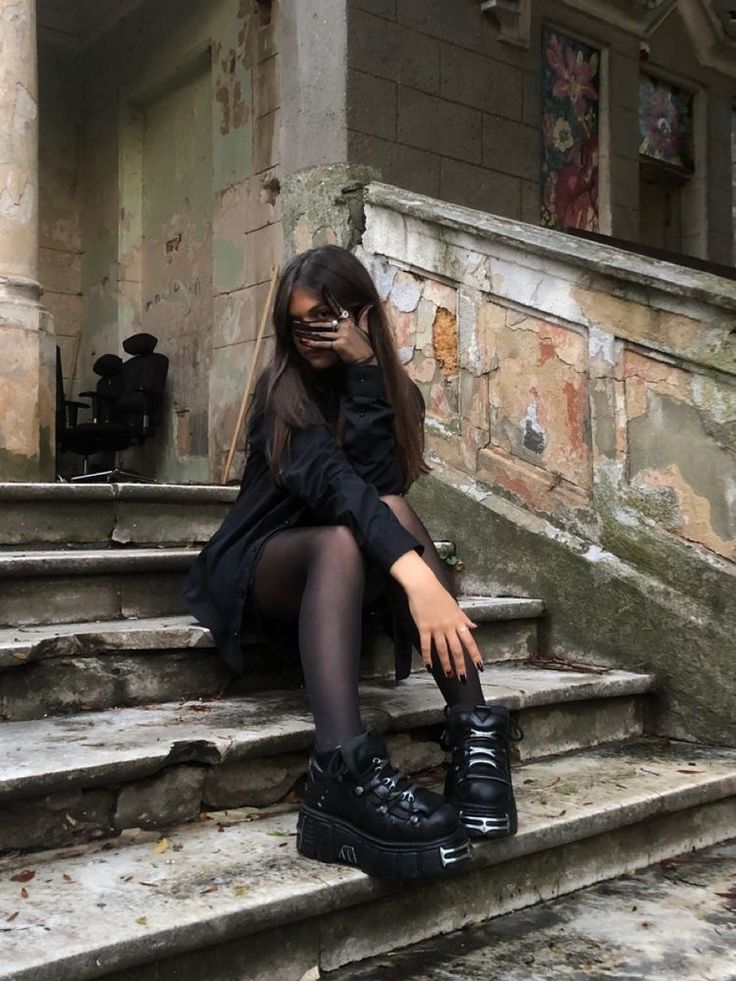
(706, 21)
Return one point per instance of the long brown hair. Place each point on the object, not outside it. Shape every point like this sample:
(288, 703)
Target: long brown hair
(283, 389)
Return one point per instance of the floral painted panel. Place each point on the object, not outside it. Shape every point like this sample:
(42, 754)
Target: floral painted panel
(666, 123)
(570, 103)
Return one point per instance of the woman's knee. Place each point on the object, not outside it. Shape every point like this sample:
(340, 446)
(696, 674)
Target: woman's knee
(338, 542)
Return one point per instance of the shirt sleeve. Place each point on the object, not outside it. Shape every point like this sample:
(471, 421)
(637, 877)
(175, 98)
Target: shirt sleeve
(315, 469)
(368, 438)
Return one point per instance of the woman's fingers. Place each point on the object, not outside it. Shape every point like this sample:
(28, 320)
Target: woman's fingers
(425, 642)
(458, 655)
(472, 648)
(440, 645)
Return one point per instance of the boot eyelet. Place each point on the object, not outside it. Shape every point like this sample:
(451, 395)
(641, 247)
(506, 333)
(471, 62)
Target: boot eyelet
(359, 791)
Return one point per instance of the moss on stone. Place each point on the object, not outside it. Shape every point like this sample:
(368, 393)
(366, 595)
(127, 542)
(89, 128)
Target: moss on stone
(603, 608)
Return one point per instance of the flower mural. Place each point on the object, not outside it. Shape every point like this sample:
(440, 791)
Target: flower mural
(665, 123)
(570, 99)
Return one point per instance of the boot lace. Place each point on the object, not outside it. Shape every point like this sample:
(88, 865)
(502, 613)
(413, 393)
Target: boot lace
(388, 787)
(478, 747)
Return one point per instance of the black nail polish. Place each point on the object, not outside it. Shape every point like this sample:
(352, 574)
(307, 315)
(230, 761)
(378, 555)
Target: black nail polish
(428, 668)
(463, 679)
(449, 674)
(480, 667)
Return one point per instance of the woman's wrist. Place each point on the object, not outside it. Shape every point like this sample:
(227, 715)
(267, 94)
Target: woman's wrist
(412, 572)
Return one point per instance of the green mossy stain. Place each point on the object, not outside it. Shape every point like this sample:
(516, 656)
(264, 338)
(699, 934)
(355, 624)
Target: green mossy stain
(624, 620)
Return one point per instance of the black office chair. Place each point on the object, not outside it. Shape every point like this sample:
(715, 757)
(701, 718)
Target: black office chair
(126, 408)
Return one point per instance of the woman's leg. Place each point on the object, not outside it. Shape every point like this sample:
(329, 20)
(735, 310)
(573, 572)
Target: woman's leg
(454, 691)
(316, 575)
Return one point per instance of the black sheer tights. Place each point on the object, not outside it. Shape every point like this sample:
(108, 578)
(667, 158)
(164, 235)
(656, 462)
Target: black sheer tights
(317, 575)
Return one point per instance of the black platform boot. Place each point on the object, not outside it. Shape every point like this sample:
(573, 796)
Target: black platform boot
(478, 779)
(359, 810)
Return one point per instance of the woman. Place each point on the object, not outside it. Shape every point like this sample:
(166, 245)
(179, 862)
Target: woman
(319, 534)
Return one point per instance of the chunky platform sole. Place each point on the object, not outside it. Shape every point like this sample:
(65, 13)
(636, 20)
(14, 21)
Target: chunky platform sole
(488, 822)
(329, 839)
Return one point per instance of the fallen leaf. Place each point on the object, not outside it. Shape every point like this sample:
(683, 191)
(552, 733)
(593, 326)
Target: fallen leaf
(24, 893)
(25, 876)
(562, 812)
(161, 846)
(645, 924)
(142, 883)
(241, 890)
(67, 878)
(727, 895)
(141, 919)
(12, 916)
(691, 771)
(209, 889)
(177, 847)
(278, 834)
(126, 878)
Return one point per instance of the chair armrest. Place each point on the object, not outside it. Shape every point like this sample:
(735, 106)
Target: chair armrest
(73, 408)
(100, 405)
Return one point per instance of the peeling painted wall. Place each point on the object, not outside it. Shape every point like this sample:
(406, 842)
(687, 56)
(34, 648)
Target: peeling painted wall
(591, 386)
(581, 422)
(178, 208)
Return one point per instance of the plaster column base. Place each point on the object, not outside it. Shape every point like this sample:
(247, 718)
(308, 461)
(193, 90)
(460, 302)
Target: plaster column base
(27, 385)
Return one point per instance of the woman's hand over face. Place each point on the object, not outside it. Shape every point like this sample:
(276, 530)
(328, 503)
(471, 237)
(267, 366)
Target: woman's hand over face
(350, 341)
(441, 622)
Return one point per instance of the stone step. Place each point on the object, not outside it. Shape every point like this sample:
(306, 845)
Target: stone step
(66, 585)
(99, 772)
(70, 585)
(47, 670)
(231, 897)
(63, 515)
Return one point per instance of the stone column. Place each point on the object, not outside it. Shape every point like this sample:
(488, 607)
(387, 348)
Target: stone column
(321, 192)
(27, 351)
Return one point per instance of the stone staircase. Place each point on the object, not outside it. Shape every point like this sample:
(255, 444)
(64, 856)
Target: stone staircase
(148, 798)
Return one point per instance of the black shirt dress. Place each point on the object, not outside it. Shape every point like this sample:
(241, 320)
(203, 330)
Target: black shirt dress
(324, 482)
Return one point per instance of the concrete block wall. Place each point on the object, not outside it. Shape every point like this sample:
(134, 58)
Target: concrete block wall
(440, 105)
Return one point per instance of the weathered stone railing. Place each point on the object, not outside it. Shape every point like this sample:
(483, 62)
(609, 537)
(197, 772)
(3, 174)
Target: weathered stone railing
(593, 391)
(587, 383)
